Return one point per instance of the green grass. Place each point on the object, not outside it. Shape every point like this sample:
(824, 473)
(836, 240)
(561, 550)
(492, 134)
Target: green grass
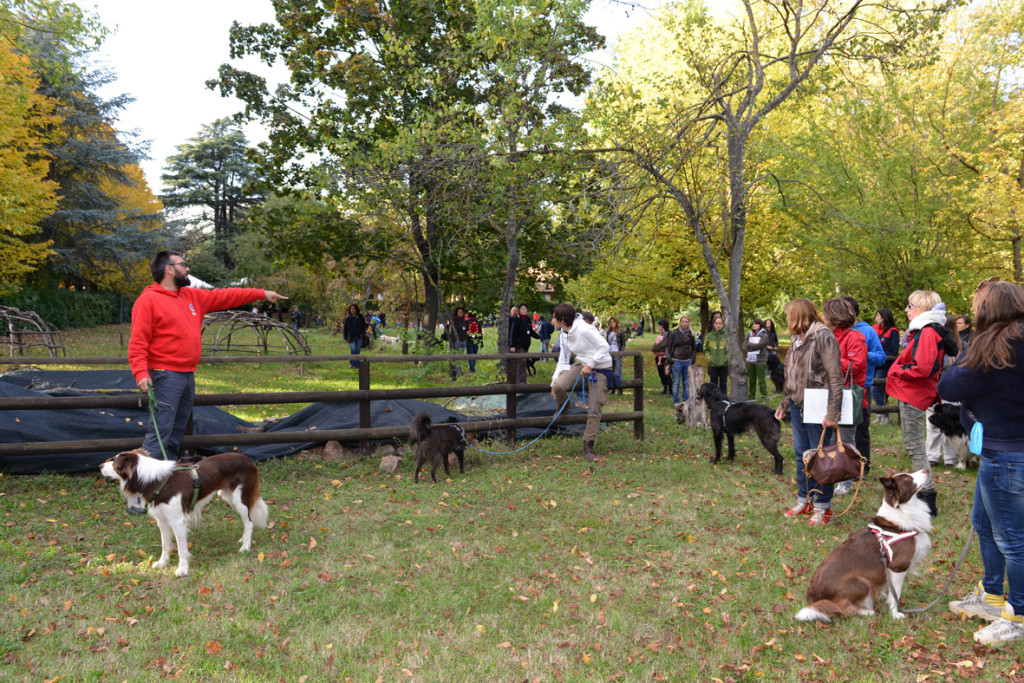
(651, 564)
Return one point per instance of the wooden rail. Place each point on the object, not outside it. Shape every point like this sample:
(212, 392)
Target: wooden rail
(365, 434)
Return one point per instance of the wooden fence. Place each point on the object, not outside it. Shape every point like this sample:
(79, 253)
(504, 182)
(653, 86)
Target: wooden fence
(365, 434)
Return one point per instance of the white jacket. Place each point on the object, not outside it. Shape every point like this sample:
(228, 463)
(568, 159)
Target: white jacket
(586, 343)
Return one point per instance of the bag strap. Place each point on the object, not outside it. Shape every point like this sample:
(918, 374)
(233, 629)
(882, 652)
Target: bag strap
(839, 440)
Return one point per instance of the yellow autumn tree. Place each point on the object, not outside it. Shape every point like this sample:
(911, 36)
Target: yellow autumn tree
(26, 197)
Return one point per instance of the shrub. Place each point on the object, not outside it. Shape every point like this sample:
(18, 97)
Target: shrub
(65, 308)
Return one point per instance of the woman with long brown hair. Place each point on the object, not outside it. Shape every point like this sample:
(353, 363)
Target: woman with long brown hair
(812, 362)
(987, 382)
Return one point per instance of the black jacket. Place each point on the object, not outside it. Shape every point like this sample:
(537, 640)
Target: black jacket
(354, 327)
(519, 333)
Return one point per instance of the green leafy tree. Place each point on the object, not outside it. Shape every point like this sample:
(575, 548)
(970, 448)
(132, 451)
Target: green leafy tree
(212, 173)
(531, 145)
(686, 126)
(376, 102)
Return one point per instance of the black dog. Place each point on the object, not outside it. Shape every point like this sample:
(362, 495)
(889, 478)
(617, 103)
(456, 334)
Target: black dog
(946, 418)
(435, 442)
(729, 419)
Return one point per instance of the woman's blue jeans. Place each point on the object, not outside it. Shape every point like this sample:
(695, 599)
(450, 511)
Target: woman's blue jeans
(805, 437)
(998, 517)
(681, 375)
(355, 346)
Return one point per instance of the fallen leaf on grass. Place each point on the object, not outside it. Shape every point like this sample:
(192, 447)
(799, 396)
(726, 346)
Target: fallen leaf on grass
(213, 647)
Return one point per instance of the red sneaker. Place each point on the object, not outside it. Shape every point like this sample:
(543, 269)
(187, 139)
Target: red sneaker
(799, 509)
(820, 517)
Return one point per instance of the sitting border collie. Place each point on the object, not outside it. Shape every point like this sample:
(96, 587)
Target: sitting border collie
(729, 419)
(946, 418)
(871, 564)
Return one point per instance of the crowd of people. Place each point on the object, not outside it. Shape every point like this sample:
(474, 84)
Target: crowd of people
(977, 364)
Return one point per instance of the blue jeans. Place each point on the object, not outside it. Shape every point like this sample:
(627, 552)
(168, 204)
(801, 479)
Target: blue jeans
(681, 375)
(805, 437)
(472, 349)
(175, 393)
(355, 346)
(998, 517)
(617, 364)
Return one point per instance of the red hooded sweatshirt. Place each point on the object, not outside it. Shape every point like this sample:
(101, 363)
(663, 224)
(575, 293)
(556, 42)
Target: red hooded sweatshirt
(167, 326)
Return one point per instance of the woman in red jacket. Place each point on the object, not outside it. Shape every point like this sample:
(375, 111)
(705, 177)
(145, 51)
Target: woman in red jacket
(840, 317)
(914, 377)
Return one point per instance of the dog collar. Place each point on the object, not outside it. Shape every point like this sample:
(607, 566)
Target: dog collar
(887, 539)
(195, 483)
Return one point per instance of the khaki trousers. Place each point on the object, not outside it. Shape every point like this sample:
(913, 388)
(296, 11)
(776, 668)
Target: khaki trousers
(596, 391)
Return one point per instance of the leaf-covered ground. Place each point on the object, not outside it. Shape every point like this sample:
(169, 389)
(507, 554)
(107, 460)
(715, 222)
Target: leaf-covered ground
(650, 564)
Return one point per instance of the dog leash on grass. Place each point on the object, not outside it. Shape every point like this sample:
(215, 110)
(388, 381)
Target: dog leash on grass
(480, 450)
(942, 594)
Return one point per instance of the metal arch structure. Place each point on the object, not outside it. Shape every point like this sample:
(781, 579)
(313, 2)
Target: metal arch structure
(23, 331)
(228, 333)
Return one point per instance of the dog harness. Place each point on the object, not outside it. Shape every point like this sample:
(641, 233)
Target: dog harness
(887, 539)
(195, 482)
(728, 404)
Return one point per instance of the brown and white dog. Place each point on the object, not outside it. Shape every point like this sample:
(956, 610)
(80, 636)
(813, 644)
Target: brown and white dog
(168, 491)
(859, 572)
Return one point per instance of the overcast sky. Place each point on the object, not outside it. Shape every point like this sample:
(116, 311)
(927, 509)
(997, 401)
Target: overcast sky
(163, 54)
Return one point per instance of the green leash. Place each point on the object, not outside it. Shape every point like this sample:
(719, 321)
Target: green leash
(152, 416)
(182, 468)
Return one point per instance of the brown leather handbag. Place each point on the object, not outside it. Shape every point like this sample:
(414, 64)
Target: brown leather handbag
(835, 463)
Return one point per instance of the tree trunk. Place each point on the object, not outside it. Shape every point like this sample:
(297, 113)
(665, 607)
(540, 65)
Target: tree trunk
(731, 298)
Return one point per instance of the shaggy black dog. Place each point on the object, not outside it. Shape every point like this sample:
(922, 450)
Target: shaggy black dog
(946, 418)
(777, 371)
(729, 419)
(434, 443)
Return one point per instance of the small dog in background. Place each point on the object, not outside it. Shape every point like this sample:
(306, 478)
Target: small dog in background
(729, 419)
(870, 565)
(434, 443)
(175, 495)
(946, 418)
(388, 342)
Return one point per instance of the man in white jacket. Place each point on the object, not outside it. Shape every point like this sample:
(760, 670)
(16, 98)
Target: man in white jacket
(583, 341)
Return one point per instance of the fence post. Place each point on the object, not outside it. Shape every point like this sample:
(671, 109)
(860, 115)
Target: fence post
(364, 404)
(510, 400)
(638, 396)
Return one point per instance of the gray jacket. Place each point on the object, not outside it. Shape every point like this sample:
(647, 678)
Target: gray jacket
(824, 370)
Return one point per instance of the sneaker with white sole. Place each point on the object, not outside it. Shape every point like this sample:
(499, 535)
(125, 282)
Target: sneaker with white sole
(804, 508)
(1000, 631)
(979, 604)
(843, 488)
(820, 517)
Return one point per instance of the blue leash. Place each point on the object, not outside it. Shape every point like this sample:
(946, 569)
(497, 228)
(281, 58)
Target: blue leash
(568, 396)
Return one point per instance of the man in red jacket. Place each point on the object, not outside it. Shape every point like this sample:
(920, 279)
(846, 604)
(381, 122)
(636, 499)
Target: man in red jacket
(166, 343)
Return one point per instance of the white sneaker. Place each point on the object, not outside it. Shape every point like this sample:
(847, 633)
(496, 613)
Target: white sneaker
(1000, 631)
(843, 488)
(976, 604)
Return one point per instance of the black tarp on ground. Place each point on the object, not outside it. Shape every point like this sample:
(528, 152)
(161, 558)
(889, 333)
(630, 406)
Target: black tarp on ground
(21, 426)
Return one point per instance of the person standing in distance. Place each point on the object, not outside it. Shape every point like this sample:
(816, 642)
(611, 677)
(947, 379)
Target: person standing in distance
(166, 343)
